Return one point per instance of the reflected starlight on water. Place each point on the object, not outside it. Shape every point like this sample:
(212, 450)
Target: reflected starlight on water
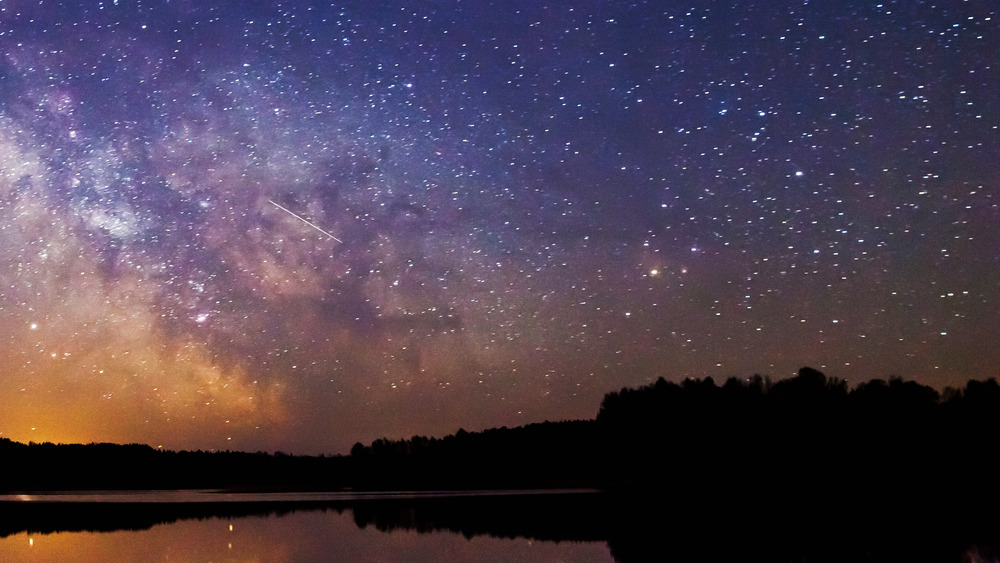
(307, 535)
(506, 527)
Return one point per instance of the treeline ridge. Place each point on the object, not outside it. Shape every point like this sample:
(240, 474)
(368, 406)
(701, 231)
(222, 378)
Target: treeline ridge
(807, 433)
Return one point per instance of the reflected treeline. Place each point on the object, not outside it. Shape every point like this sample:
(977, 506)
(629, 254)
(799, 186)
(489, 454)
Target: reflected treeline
(570, 516)
(41, 517)
(823, 467)
(653, 526)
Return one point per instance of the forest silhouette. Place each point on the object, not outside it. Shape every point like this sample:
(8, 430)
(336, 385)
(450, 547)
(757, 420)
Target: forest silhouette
(798, 469)
(804, 440)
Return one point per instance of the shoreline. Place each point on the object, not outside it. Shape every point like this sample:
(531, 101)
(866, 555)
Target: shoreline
(213, 496)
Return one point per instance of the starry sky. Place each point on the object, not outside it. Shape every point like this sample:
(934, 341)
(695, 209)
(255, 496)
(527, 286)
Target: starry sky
(297, 225)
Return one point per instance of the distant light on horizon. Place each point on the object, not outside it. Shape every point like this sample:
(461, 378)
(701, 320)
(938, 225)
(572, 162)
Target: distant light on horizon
(295, 232)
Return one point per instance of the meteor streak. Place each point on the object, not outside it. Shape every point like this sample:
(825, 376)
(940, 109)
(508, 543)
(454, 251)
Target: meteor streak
(305, 221)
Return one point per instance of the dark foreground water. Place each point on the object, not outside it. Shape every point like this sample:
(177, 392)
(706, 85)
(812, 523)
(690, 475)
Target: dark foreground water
(313, 531)
(206, 526)
(520, 526)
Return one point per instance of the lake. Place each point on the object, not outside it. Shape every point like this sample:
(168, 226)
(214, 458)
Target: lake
(470, 526)
(205, 526)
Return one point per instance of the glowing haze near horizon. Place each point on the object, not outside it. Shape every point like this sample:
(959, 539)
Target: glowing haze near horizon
(539, 202)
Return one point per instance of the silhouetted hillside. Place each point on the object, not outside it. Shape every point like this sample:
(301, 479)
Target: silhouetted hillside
(798, 469)
(807, 439)
(46, 466)
(544, 455)
(802, 440)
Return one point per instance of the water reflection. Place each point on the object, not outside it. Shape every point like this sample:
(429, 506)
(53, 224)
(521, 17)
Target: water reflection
(280, 528)
(307, 535)
(512, 527)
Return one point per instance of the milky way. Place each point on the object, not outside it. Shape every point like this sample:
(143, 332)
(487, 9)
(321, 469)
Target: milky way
(293, 226)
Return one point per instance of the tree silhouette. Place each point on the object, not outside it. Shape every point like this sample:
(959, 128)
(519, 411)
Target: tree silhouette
(748, 438)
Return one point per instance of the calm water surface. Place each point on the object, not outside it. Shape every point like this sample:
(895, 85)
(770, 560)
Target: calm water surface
(520, 526)
(300, 527)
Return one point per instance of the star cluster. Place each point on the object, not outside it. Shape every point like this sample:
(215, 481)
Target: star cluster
(299, 225)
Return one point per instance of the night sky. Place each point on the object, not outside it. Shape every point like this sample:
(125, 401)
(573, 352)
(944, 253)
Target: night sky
(294, 226)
